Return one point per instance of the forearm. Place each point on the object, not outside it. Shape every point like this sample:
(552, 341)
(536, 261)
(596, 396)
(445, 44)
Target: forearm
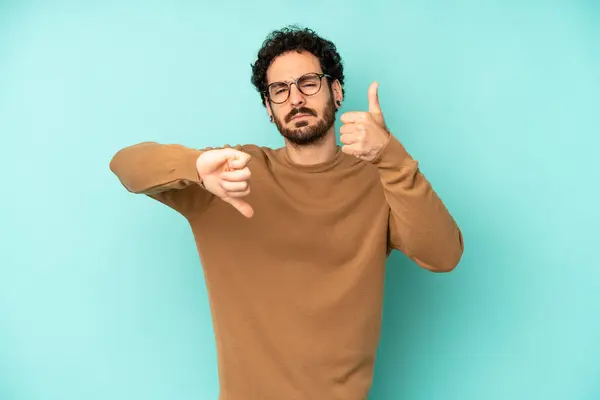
(150, 167)
(420, 224)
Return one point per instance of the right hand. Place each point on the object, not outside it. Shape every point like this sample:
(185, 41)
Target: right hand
(225, 174)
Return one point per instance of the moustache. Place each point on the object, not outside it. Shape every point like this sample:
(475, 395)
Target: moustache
(301, 110)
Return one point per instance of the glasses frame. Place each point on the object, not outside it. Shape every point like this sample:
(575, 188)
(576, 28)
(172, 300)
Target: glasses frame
(295, 82)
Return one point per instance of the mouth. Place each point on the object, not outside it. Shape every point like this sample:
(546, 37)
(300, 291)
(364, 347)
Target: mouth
(297, 116)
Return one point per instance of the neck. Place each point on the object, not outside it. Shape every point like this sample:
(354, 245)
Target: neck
(316, 153)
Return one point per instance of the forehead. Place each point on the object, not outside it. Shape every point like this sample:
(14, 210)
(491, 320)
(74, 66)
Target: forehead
(291, 65)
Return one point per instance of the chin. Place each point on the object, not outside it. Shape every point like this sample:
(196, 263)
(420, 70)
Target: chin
(304, 137)
(305, 131)
(299, 124)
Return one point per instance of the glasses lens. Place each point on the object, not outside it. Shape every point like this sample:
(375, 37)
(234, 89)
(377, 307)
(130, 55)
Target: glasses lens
(278, 92)
(309, 84)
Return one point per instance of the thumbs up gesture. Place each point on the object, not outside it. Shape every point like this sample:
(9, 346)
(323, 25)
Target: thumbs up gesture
(364, 134)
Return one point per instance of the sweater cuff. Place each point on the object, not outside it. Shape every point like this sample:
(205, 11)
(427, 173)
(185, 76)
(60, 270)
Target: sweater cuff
(189, 169)
(393, 155)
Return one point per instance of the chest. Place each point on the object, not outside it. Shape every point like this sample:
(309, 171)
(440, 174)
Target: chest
(327, 214)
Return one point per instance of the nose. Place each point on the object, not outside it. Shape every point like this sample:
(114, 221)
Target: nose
(296, 97)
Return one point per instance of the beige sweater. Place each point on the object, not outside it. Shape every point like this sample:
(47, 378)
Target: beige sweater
(296, 291)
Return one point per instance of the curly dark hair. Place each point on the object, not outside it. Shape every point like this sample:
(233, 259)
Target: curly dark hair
(294, 38)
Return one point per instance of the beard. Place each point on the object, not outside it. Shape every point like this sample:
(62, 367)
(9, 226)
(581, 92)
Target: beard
(304, 133)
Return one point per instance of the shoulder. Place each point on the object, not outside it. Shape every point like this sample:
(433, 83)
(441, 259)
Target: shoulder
(260, 154)
(255, 150)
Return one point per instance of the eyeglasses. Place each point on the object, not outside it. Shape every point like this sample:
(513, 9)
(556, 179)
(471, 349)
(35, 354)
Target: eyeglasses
(308, 84)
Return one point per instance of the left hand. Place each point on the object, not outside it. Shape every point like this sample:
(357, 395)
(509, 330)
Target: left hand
(364, 134)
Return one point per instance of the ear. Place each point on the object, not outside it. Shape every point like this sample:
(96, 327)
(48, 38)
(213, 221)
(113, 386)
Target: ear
(336, 89)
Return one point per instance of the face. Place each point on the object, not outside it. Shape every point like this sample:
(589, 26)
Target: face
(303, 119)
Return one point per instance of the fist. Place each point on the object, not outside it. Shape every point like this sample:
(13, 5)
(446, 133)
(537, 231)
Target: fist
(225, 174)
(364, 134)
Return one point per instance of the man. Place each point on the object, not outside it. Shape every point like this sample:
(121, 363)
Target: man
(293, 241)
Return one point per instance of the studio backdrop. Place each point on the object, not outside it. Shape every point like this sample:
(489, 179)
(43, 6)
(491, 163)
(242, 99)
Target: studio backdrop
(102, 294)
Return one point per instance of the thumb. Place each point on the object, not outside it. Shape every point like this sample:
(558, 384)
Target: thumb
(374, 98)
(242, 206)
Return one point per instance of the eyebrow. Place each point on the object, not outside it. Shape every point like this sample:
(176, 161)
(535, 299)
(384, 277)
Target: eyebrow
(290, 81)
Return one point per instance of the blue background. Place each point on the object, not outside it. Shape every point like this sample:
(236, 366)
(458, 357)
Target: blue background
(101, 292)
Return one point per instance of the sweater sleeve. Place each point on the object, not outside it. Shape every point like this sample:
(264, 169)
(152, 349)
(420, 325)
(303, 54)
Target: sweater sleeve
(419, 224)
(165, 172)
